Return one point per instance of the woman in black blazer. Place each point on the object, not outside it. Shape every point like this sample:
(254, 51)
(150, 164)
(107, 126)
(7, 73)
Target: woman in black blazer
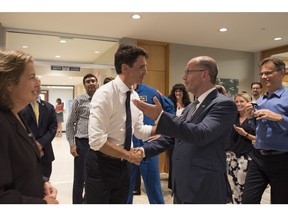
(21, 179)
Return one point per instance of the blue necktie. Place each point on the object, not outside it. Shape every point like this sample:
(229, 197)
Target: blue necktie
(127, 143)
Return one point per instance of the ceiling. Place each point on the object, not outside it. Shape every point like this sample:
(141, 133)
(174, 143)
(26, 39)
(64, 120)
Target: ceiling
(89, 32)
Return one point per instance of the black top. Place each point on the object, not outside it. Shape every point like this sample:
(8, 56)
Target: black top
(238, 144)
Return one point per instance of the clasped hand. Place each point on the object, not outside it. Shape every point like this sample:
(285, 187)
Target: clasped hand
(136, 155)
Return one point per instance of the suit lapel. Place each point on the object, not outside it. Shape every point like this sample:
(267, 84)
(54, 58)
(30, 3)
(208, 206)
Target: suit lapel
(31, 112)
(207, 101)
(27, 135)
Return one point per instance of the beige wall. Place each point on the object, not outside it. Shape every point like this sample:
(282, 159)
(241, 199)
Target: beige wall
(231, 64)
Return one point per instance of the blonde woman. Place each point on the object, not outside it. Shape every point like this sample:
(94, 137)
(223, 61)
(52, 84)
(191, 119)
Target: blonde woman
(240, 145)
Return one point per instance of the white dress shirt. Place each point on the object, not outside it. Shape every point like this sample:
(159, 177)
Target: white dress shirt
(108, 116)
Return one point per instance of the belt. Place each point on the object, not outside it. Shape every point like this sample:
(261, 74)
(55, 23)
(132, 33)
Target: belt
(269, 152)
(107, 156)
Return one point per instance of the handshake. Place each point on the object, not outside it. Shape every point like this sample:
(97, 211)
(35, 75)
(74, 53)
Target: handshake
(136, 155)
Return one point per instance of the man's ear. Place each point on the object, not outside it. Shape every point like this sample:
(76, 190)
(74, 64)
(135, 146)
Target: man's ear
(124, 67)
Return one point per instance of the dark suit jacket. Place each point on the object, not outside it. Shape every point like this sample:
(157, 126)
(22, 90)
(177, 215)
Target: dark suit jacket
(45, 132)
(20, 169)
(199, 157)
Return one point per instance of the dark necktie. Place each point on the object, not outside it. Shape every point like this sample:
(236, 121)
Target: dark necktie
(127, 143)
(192, 109)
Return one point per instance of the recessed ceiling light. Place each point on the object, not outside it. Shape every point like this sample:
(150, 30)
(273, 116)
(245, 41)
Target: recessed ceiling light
(24, 47)
(136, 16)
(57, 56)
(62, 41)
(277, 38)
(223, 29)
(96, 52)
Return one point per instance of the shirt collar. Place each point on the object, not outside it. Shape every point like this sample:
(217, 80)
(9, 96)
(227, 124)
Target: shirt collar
(121, 85)
(202, 97)
(277, 93)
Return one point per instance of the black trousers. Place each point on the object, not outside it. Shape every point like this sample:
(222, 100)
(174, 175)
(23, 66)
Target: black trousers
(79, 170)
(264, 170)
(107, 179)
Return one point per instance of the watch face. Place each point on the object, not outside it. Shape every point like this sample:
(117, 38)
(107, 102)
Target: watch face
(143, 98)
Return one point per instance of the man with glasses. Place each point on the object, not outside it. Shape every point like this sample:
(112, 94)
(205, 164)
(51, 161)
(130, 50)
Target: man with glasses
(269, 163)
(256, 89)
(77, 134)
(200, 136)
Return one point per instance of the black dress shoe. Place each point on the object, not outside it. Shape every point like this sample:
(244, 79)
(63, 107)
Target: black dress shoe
(137, 192)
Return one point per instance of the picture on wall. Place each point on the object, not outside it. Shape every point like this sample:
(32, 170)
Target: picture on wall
(231, 85)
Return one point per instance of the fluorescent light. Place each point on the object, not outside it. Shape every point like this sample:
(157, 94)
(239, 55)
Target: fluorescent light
(24, 47)
(62, 41)
(57, 56)
(277, 38)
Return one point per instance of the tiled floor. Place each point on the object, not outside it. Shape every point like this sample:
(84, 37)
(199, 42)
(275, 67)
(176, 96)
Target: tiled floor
(62, 176)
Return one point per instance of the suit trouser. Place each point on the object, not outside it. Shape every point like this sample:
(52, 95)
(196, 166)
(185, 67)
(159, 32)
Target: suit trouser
(46, 168)
(149, 170)
(79, 170)
(107, 179)
(264, 170)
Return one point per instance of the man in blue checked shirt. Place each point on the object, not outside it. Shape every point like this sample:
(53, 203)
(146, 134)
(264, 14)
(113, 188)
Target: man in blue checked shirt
(77, 134)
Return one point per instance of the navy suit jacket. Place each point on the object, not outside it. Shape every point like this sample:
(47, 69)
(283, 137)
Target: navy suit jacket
(45, 132)
(199, 157)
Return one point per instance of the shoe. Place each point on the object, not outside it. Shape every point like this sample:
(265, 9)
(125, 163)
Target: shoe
(136, 192)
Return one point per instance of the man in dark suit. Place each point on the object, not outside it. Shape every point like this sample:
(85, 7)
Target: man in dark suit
(43, 126)
(200, 136)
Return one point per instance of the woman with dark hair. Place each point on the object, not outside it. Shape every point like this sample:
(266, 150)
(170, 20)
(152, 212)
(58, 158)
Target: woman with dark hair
(21, 179)
(180, 98)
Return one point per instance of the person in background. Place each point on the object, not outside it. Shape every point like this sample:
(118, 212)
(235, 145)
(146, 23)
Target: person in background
(269, 116)
(59, 114)
(256, 89)
(221, 89)
(180, 98)
(110, 131)
(77, 134)
(200, 136)
(240, 145)
(41, 119)
(21, 179)
(148, 169)
(107, 79)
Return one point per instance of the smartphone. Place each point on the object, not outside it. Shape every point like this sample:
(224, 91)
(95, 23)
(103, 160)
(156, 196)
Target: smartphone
(255, 106)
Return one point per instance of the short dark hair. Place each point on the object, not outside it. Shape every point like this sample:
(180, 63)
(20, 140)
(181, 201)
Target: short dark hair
(127, 54)
(88, 76)
(279, 63)
(107, 79)
(257, 83)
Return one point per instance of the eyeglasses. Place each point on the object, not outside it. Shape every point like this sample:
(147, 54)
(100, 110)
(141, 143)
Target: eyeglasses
(267, 73)
(90, 81)
(187, 72)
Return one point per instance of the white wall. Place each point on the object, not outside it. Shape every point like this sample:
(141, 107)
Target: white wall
(231, 64)
(66, 95)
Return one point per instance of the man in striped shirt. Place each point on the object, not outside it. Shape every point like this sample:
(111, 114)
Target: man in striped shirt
(77, 134)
